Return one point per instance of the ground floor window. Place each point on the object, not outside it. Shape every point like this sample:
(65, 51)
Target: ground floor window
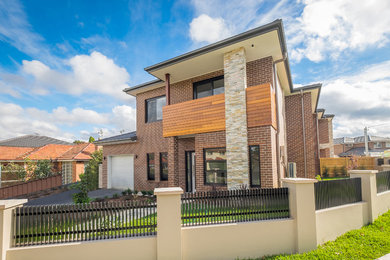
(66, 172)
(150, 166)
(215, 165)
(254, 162)
(163, 166)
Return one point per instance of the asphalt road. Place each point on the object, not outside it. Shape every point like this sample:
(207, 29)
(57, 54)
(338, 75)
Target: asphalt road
(66, 197)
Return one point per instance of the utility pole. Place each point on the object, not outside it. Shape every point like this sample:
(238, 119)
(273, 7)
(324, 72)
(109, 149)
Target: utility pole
(366, 140)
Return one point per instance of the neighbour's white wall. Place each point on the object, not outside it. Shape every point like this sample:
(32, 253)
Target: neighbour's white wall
(334, 222)
(132, 248)
(239, 240)
(382, 204)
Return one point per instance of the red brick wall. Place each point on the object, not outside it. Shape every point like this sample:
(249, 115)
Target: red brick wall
(325, 153)
(323, 126)
(295, 149)
(259, 71)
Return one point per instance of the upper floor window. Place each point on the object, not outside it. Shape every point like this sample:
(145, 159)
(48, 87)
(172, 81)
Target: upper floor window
(209, 87)
(153, 109)
(377, 145)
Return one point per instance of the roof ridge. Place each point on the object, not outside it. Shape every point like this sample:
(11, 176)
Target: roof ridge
(81, 150)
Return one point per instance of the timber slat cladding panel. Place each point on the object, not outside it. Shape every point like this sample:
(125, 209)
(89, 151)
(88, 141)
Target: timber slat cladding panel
(208, 114)
(259, 105)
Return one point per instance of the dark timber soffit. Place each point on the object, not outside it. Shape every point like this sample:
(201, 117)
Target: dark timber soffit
(275, 25)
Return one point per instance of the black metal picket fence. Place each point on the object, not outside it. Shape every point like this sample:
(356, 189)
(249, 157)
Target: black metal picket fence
(382, 181)
(218, 207)
(39, 225)
(337, 192)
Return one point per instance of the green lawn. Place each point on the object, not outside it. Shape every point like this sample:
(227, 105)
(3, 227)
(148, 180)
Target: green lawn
(369, 242)
(333, 178)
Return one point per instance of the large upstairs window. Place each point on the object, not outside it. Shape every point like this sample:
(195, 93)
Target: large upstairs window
(153, 107)
(209, 87)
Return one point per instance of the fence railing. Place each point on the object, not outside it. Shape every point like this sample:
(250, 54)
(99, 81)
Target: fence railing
(382, 181)
(39, 225)
(337, 192)
(218, 207)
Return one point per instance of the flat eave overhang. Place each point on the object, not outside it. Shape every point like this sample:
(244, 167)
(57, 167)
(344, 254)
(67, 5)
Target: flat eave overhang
(210, 58)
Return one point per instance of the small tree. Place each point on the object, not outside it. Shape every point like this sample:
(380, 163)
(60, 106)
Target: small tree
(17, 170)
(90, 179)
(43, 169)
(91, 139)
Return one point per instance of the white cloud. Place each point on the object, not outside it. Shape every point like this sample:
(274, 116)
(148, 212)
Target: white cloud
(94, 73)
(207, 29)
(359, 100)
(17, 31)
(328, 27)
(16, 120)
(218, 19)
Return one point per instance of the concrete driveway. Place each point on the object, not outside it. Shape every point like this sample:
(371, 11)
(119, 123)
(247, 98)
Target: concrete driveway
(66, 197)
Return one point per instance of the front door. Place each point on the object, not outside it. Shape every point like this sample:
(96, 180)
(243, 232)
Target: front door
(190, 171)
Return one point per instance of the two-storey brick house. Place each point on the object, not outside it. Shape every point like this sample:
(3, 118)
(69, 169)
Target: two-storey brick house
(222, 116)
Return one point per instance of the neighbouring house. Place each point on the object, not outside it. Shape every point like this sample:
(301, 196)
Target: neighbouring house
(67, 158)
(224, 116)
(348, 146)
(325, 132)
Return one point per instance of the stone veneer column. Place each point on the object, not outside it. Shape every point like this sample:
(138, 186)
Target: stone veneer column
(236, 123)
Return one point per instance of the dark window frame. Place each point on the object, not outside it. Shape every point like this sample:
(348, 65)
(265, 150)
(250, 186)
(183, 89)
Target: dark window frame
(211, 80)
(250, 166)
(146, 108)
(205, 171)
(161, 166)
(148, 167)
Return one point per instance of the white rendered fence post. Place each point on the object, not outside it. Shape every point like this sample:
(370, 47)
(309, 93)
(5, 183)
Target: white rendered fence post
(168, 223)
(368, 178)
(6, 207)
(303, 211)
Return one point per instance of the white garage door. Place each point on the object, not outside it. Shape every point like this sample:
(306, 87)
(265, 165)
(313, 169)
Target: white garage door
(122, 172)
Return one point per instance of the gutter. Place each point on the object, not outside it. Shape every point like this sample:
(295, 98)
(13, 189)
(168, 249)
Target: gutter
(114, 142)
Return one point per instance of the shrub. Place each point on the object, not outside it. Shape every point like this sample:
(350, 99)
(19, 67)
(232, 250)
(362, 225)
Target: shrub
(80, 198)
(115, 196)
(124, 193)
(318, 177)
(343, 171)
(144, 192)
(129, 191)
(336, 171)
(90, 179)
(325, 172)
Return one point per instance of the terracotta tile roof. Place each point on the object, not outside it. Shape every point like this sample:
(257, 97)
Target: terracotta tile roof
(50, 151)
(79, 152)
(13, 153)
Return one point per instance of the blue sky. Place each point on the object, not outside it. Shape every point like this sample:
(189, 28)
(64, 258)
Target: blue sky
(63, 64)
